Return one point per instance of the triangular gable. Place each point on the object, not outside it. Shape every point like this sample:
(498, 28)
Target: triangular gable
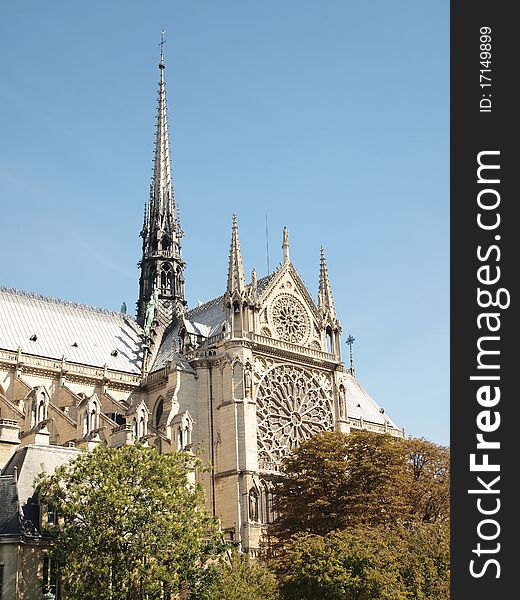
(286, 298)
(275, 283)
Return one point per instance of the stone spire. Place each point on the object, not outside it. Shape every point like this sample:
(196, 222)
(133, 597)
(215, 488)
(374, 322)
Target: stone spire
(285, 245)
(325, 300)
(161, 264)
(236, 279)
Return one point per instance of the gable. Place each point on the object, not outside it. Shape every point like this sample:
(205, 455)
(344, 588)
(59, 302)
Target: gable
(288, 312)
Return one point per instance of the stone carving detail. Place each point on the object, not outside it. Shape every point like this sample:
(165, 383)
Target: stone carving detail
(248, 384)
(291, 406)
(341, 402)
(289, 319)
(253, 505)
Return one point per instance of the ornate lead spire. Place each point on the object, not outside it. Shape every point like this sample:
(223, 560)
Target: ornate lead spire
(325, 300)
(162, 212)
(236, 280)
(161, 264)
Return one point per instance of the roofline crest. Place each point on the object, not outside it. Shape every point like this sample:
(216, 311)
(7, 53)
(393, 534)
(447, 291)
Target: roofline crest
(68, 303)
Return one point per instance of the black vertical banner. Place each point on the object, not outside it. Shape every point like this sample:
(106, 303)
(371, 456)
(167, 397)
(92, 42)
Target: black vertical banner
(485, 267)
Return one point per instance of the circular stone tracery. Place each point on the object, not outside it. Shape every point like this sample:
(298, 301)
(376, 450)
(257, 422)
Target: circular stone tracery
(291, 406)
(290, 319)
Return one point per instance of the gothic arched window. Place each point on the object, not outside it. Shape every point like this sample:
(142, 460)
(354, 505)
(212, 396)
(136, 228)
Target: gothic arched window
(41, 410)
(330, 340)
(267, 514)
(158, 412)
(166, 278)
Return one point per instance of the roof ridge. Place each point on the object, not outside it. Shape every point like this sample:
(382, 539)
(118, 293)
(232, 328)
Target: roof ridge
(198, 309)
(69, 303)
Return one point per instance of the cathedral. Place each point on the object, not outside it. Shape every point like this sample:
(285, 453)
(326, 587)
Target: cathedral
(244, 377)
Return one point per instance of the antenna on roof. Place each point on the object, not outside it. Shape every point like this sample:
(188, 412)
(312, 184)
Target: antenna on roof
(267, 245)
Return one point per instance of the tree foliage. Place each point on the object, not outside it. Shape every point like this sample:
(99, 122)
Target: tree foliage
(242, 579)
(336, 481)
(131, 524)
(428, 480)
(367, 563)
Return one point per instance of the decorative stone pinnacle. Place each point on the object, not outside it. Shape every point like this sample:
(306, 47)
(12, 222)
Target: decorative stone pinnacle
(325, 299)
(236, 278)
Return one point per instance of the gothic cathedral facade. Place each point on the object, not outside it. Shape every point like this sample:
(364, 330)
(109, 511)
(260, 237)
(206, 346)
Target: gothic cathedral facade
(244, 377)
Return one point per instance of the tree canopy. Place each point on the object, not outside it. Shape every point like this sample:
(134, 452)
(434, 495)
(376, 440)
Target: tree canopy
(363, 516)
(132, 524)
(335, 481)
(365, 563)
(242, 579)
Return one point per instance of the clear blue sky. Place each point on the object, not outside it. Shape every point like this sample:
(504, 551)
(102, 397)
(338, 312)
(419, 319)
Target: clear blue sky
(330, 117)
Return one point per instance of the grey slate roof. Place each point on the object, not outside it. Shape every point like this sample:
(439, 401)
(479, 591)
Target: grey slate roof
(168, 352)
(34, 459)
(264, 282)
(82, 334)
(206, 319)
(361, 405)
(9, 515)
(212, 313)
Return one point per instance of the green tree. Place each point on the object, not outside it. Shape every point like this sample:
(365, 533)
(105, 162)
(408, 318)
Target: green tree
(367, 563)
(344, 565)
(377, 471)
(425, 560)
(310, 496)
(242, 579)
(131, 525)
(333, 481)
(428, 467)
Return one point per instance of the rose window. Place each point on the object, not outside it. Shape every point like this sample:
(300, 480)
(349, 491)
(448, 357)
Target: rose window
(290, 320)
(291, 406)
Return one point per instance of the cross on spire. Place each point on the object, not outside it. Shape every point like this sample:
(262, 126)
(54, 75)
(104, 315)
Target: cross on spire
(161, 44)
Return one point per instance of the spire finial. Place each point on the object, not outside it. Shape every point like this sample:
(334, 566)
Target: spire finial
(236, 278)
(285, 245)
(350, 342)
(161, 44)
(325, 299)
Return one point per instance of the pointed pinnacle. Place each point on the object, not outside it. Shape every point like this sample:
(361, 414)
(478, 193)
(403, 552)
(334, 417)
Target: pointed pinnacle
(236, 278)
(325, 299)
